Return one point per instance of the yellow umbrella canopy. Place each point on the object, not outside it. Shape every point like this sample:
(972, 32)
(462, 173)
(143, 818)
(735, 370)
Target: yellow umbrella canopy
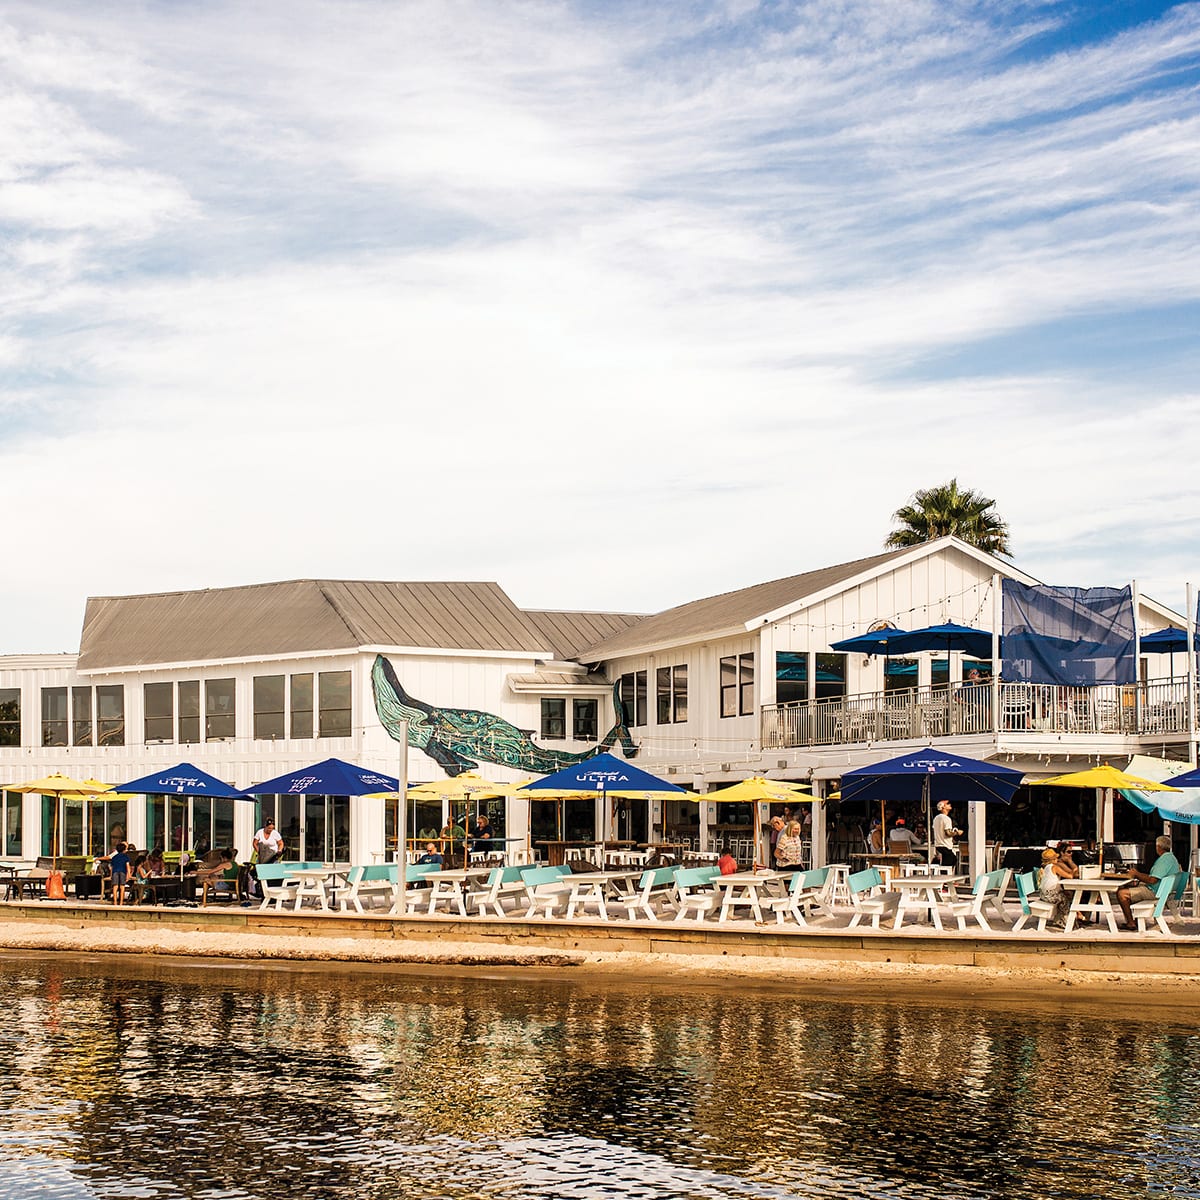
(1103, 777)
(58, 784)
(757, 790)
(464, 787)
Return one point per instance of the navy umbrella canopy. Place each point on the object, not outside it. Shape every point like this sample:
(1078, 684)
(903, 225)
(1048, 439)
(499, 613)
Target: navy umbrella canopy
(333, 777)
(1165, 641)
(875, 641)
(952, 777)
(948, 636)
(181, 780)
(602, 773)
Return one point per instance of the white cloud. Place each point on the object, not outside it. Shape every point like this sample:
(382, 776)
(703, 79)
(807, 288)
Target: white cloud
(477, 289)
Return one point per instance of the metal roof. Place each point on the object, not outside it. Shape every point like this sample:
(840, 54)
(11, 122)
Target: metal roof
(699, 619)
(302, 616)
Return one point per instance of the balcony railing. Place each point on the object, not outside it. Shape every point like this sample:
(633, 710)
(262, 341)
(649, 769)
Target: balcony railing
(1123, 709)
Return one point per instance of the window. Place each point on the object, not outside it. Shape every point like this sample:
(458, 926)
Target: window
(159, 701)
(899, 674)
(110, 714)
(831, 676)
(10, 821)
(10, 716)
(737, 685)
(189, 711)
(54, 716)
(81, 716)
(586, 716)
(791, 676)
(633, 697)
(554, 717)
(333, 689)
(302, 706)
(671, 690)
(268, 707)
(220, 713)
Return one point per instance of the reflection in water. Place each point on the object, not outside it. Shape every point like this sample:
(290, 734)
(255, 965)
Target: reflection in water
(143, 1079)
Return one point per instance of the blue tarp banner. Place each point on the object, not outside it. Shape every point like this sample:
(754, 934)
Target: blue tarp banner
(1071, 636)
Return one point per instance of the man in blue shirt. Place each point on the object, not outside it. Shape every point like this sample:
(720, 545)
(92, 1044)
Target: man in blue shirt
(1143, 888)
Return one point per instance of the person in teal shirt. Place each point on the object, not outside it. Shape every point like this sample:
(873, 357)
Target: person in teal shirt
(1165, 864)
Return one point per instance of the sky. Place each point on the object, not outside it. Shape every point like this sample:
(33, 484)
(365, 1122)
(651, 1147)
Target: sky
(618, 304)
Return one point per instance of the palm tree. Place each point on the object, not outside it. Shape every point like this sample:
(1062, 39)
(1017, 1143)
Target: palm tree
(945, 510)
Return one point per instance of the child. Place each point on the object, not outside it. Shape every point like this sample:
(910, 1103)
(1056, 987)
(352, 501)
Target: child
(119, 864)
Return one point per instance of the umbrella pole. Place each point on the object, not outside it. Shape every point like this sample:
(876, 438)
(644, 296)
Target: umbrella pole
(928, 824)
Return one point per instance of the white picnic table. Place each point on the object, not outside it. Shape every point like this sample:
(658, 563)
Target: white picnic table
(450, 887)
(311, 884)
(747, 889)
(1093, 897)
(921, 894)
(597, 886)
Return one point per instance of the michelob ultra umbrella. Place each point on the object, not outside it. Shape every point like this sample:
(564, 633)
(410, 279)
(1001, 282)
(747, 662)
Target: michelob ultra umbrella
(603, 775)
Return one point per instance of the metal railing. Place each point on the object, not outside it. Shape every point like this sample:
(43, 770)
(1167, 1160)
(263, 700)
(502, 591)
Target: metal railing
(1158, 707)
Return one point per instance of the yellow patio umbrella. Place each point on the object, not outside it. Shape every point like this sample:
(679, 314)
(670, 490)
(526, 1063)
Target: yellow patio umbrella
(465, 787)
(1104, 776)
(58, 786)
(758, 790)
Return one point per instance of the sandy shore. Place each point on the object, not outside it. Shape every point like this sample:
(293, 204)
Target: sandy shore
(1039, 987)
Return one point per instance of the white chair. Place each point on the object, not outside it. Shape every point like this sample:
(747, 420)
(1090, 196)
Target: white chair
(694, 894)
(655, 894)
(1032, 905)
(868, 898)
(504, 885)
(985, 896)
(808, 893)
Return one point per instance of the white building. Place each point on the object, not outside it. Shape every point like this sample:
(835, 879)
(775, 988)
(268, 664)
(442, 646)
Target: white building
(251, 682)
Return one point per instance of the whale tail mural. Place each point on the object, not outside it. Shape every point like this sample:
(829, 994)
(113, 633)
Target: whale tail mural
(458, 739)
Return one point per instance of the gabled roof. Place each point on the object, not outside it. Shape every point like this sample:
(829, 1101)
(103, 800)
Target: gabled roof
(305, 616)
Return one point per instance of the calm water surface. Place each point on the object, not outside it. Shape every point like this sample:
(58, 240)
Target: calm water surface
(130, 1079)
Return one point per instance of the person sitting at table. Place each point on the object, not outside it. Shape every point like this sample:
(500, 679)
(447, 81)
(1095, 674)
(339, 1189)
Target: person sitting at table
(212, 876)
(1054, 871)
(1144, 882)
(875, 837)
(902, 840)
(481, 836)
(789, 848)
(431, 855)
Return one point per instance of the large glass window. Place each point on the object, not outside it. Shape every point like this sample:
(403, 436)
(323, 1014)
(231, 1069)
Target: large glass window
(899, 674)
(11, 809)
(671, 694)
(81, 716)
(189, 711)
(554, 717)
(632, 691)
(110, 714)
(302, 706)
(54, 716)
(333, 688)
(159, 701)
(791, 676)
(586, 717)
(268, 706)
(220, 713)
(737, 685)
(10, 716)
(831, 676)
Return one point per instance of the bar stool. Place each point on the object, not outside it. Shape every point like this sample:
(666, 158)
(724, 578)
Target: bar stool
(837, 886)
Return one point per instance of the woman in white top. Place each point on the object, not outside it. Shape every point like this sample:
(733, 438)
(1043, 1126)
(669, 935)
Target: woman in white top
(1050, 887)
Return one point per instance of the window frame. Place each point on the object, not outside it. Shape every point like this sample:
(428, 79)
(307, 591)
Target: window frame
(736, 682)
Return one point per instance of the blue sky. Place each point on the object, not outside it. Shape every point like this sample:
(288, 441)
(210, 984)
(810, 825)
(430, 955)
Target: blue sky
(619, 304)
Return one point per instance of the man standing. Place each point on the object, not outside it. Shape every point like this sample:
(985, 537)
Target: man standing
(1142, 887)
(944, 834)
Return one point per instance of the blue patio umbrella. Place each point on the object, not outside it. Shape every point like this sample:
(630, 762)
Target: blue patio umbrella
(1165, 641)
(947, 636)
(875, 641)
(605, 774)
(333, 777)
(931, 776)
(181, 780)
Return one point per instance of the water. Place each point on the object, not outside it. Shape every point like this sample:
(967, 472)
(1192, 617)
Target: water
(131, 1078)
